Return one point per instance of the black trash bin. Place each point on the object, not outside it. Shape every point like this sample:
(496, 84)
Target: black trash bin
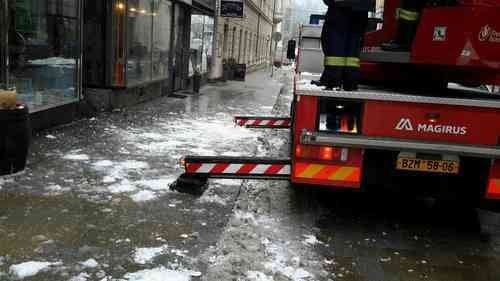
(15, 138)
(196, 82)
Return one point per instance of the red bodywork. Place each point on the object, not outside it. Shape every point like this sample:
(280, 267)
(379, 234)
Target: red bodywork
(454, 124)
(467, 51)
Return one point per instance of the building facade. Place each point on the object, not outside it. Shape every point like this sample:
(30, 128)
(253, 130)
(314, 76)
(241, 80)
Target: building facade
(247, 40)
(65, 57)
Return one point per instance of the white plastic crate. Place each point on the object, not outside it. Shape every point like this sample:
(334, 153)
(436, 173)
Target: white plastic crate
(311, 31)
(311, 60)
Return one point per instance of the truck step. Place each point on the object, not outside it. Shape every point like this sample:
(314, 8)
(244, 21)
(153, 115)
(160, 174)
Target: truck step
(237, 167)
(263, 122)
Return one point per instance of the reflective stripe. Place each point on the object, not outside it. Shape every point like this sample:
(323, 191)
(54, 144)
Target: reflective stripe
(406, 15)
(352, 62)
(327, 172)
(335, 61)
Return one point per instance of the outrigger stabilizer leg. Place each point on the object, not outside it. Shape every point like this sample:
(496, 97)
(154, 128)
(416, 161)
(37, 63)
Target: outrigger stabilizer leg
(263, 122)
(200, 168)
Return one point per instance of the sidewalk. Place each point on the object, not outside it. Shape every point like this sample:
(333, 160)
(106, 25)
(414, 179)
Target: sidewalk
(98, 188)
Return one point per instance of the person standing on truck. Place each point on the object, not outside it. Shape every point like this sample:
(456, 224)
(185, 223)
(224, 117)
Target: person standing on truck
(407, 15)
(345, 24)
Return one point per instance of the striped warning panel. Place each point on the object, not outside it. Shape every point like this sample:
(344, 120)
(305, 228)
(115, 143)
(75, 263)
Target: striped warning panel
(238, 167)
(263, 122)
(327, 172)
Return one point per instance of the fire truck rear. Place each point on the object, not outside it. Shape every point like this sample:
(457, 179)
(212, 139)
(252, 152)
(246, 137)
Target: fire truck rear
(442, 142)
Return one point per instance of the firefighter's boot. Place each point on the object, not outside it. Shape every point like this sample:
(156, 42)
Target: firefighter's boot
(351, 75)
(331, 77)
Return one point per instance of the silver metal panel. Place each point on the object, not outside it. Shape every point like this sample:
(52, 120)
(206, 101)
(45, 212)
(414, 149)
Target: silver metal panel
(400, 145)
(311, 60)
(312, 31)
(311, 43)
(382, 56)
(305, 88)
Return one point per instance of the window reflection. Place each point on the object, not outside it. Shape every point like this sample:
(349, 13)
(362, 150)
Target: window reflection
(43, 50)
(140, 27)
(201, 43)
(162, 16)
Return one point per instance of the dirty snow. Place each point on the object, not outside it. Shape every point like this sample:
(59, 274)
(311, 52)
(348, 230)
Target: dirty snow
(134, 165)
(143, 195)
(76, 157)
(258, 276)
(80, 277)
(90, 263)
(311, 240)
(4, 181)
(158, 274)
(198, 136)
(157, 184)
(212, 198)
(103, 163)
(146, 255)
(122, 187)
(30, 268)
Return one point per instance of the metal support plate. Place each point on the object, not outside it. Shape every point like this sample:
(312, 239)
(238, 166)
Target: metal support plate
(490, 152)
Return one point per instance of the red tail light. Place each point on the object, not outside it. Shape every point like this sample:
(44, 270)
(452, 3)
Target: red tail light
(326, 153)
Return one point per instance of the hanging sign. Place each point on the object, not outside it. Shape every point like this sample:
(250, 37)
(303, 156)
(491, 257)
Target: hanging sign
(232, 9)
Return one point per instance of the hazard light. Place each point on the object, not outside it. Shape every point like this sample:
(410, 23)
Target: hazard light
(325, 153)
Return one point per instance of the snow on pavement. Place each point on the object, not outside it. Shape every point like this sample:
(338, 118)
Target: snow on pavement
(80, 277)
(90, 263)
(30, 268)
(146, 255)
(257, 245)
(160, 274)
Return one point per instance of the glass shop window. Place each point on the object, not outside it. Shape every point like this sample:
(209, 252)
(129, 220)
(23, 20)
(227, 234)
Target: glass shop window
(140, 26)
(162, 16)
(44, 48)
(208, 35)
(196, 43)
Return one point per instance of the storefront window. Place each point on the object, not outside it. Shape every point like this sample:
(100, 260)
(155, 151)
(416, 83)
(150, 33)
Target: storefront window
(208, 36)
(140, 26)
(148, 35)
(162, 16)
(201, 43)
(44, 48)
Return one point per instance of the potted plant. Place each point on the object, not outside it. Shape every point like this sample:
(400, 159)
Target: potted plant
(16, 132)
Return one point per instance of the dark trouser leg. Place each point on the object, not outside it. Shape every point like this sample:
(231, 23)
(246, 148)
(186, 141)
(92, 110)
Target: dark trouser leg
(333, 40)
(358, 22)
(407, 16)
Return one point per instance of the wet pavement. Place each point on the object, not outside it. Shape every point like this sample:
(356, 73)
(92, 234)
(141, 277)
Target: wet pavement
(94, 204)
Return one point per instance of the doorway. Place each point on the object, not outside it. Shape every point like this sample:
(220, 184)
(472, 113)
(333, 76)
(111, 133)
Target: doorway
(181, 40)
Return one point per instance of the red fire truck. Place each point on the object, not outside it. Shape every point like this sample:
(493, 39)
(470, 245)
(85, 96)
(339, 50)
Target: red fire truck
(414, 128)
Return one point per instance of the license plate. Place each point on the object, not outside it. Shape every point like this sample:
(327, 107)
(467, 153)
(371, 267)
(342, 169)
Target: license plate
(433, 166)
